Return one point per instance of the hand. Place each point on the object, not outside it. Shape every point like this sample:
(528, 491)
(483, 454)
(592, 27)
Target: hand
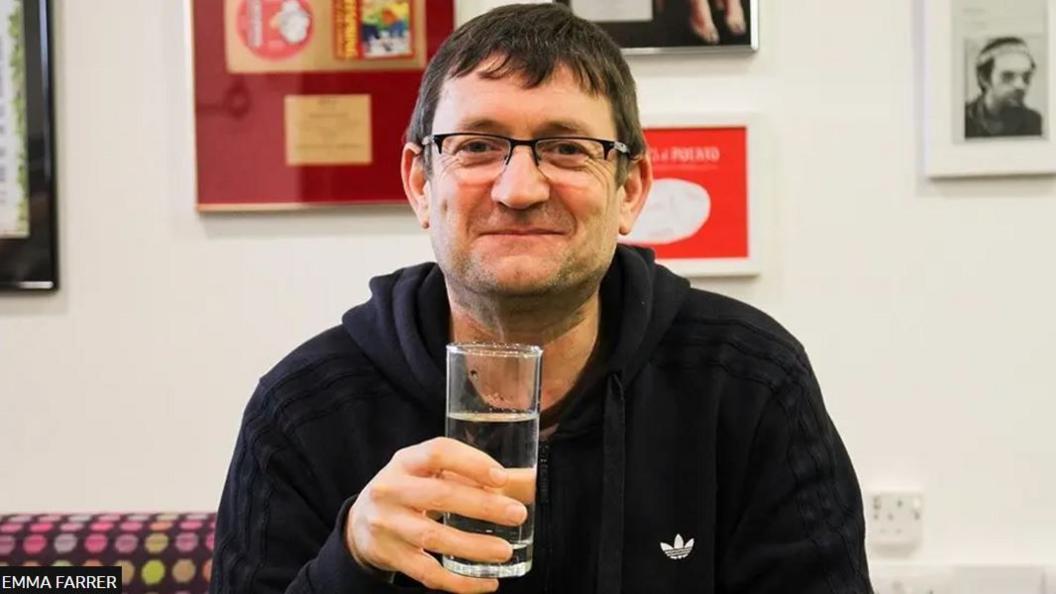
(735, 17)
(701, 22)
(392, 524)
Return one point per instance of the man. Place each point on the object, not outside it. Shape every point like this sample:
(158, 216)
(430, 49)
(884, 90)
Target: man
(1003, 69)
(670, 414)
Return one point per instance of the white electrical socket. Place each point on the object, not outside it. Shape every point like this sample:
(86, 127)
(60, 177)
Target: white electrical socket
(912, 579)
(999, 579)
(895, 519)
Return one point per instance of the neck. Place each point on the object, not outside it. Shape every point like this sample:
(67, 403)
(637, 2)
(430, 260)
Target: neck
(567, 333)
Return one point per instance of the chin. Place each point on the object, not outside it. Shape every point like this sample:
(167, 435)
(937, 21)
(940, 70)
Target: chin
(514, 281)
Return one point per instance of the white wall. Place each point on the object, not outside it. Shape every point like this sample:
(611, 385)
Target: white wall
(926, 306)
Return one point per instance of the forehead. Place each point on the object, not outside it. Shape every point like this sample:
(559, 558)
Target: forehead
(559, 105)
(1015, 61)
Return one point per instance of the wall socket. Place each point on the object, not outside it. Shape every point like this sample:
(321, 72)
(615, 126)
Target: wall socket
(894, 520)
(912, 580)
(903, 578)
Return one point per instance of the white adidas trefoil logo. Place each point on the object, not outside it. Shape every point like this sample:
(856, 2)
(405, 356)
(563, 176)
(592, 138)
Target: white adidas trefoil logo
(678, 549)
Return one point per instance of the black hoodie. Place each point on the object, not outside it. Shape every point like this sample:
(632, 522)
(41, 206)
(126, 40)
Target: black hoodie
(695, 454)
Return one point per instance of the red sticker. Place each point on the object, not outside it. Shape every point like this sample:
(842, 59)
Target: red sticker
(275, 29)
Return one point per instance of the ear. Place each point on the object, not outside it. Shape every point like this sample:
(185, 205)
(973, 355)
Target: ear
(634, 191)
(415, 182)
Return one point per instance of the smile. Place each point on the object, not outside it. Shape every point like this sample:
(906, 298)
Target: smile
(521, 232)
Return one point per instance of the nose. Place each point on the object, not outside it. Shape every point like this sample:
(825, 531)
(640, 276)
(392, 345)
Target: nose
(520, 184)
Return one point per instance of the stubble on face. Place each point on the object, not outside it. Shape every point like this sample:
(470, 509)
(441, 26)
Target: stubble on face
(565, 272)
(523, 274)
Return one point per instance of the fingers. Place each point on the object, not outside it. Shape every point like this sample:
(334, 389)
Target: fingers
(427, 570)
(438, 494)
(520, 483)
(429, 535)
(432, 457)
(393, 522)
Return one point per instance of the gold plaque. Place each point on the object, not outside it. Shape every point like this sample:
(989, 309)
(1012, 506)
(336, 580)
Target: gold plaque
(328, 130)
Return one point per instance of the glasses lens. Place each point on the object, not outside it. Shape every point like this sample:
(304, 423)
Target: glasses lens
(570, 153)
(470, 150)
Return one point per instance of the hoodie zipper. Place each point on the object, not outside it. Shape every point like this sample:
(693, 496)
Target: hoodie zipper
(544, 507)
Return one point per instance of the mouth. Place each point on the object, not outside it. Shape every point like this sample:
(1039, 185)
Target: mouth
(521, 232)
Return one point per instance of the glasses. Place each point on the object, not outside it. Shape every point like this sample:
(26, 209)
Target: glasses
(482, 157)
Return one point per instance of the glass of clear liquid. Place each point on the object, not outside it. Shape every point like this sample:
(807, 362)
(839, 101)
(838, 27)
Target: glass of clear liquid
(493, 405)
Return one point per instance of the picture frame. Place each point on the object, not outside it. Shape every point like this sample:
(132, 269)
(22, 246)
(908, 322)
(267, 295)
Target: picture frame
(988, 91)
(646, 27)
(701, 216)
(302, 104)
(28, 228)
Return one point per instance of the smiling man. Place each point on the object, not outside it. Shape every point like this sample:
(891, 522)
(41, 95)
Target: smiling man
(686, 447)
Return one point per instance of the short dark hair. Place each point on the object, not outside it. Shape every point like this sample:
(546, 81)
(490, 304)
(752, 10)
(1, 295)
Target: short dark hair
(984, 63)
(532, 41)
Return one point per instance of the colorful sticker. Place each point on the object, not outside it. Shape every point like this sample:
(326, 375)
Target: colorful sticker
(385, 28)
(275, 29)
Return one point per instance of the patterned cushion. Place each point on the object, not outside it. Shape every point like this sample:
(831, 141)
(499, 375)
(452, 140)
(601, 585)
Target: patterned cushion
(157, 552)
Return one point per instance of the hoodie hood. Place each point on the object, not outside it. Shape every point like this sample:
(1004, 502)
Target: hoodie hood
(404, 328)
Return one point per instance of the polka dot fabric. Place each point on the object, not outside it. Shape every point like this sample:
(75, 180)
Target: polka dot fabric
(164, 553)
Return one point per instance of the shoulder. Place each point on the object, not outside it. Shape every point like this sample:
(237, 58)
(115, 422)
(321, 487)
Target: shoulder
(308, 378)
(739, 337)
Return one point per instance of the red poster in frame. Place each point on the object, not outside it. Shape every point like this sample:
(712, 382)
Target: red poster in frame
(698, 217)
(303, 103)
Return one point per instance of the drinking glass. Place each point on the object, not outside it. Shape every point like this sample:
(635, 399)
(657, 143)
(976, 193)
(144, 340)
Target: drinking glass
(493, 405)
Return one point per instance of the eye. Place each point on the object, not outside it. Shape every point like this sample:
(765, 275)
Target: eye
(567, 148)
(478, 145)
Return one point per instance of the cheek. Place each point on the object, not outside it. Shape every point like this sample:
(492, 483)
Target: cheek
(596, 213)
(452, 208)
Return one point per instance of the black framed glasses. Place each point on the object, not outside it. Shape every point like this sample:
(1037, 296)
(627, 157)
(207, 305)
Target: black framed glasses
(472, 150)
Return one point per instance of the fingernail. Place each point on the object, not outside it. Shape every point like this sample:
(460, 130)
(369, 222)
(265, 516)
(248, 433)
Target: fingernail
(498, 476)
(516, 513)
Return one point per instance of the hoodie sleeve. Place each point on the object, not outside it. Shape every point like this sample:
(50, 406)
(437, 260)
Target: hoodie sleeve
(272, 533)
(801, 527)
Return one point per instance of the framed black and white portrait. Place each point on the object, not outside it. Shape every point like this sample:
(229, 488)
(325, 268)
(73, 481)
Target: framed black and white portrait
(987, 87)
(659, 26)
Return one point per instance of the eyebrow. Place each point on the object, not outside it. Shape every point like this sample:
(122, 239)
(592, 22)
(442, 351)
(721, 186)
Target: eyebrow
(488, 125)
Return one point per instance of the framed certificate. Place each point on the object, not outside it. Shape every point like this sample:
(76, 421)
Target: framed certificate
(303, 103)
(28, 255)
(699, 217)
(664, 26)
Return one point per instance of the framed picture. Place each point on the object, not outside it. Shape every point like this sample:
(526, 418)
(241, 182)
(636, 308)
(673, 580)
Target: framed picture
(656, 26)
(303, 103)
(700, 215)
(28, 246)
(988, 96)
